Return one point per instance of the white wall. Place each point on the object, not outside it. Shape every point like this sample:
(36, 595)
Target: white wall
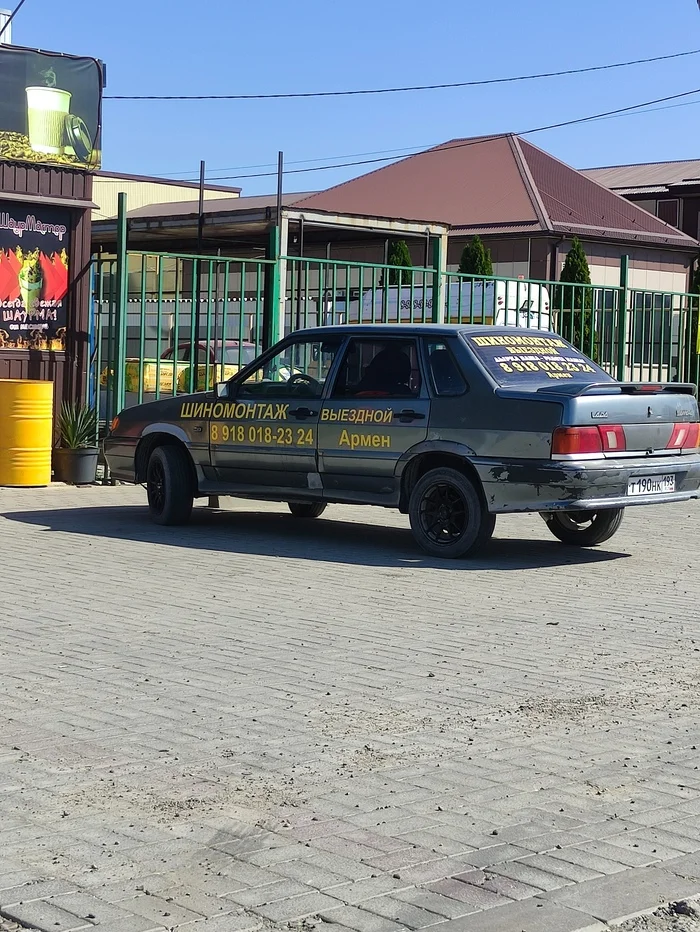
(142, 194)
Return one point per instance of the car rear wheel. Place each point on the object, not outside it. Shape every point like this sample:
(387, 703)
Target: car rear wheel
(307, 509)
(448, 516)
(169, 486)
(584, 528)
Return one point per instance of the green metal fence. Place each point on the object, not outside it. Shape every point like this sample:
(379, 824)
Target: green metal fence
(183, 323)
(321, 292)
(633, 334)
(167, 323)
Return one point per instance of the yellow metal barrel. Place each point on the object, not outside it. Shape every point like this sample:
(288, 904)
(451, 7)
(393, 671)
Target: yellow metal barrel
(26, 429)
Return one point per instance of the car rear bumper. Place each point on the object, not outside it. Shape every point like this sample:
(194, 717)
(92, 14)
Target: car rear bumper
(521, 485)
(120, 454)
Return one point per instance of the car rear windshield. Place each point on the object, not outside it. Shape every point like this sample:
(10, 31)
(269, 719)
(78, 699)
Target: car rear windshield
(530, 360)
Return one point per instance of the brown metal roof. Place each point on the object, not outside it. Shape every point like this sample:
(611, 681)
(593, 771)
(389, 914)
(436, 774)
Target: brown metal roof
(155, 179)
(462, 182)
(651, 174)
(575, 201)
(493, 182)
(220, 205)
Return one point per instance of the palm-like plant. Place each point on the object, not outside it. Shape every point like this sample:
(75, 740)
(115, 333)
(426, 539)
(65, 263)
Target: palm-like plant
(77, 425)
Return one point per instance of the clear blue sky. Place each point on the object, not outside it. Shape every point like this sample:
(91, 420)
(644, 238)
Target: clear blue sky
(171, 47)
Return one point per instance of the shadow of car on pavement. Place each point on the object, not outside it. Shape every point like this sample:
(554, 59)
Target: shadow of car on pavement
(325, 539)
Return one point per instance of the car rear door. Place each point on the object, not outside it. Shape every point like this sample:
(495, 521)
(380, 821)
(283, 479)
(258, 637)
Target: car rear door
(377, 409)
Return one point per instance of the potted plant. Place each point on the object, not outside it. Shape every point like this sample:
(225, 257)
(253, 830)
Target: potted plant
(75, 459)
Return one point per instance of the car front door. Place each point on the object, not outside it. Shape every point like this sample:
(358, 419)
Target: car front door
(378, 408)
(264, 434)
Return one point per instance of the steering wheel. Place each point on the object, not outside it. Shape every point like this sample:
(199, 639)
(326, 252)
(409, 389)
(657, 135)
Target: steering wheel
(303, 377)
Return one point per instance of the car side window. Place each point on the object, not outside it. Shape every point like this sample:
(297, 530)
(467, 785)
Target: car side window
(379, 368)
(300, 369)
(444, 371)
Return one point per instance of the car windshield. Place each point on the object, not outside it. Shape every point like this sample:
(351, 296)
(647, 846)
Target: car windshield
(532, 360)
(239, 354)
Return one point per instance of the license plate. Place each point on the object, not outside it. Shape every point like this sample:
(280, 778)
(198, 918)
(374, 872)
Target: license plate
(651, 485)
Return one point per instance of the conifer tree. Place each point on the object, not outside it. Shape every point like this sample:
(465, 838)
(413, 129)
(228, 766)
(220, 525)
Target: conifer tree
(400, 257)
(574, 302)
(476, 258)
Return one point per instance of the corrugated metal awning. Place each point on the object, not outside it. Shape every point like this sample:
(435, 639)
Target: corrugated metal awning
(53, 201)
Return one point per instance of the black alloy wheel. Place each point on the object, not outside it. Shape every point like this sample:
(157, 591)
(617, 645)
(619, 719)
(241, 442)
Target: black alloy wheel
(448, 514)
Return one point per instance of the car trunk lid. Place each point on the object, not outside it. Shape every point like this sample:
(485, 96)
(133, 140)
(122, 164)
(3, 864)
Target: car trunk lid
(653, 416)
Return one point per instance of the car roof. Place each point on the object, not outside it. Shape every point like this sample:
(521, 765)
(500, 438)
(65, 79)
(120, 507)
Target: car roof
(410, 330)
(227, 342)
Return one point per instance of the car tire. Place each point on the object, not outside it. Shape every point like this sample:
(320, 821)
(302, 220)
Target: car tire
(584, 528)
(307, 509)
(169, 485)
(448, 515)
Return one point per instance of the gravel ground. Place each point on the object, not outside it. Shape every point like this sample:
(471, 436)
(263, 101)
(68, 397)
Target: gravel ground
(678, 917)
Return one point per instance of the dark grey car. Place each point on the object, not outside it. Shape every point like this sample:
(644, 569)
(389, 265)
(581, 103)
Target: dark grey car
(452, 425)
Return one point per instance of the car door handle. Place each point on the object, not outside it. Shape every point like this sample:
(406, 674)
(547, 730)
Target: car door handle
(408, 414)
(303, 412)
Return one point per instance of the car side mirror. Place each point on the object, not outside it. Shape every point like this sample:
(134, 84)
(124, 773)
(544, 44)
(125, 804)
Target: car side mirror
(223, 390)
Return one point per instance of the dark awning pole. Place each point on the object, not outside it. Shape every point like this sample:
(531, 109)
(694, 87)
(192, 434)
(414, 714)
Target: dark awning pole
(280, 175)
(195, 265)
(200, 222)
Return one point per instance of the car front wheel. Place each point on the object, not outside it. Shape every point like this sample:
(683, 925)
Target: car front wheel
(584, 528)
(448, 515)
(169, 486)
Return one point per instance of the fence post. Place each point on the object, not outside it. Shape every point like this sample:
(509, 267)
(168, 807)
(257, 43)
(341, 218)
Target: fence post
(274, 299)
(622, 317)
(119, 361)
(271, 296)
(439, 276)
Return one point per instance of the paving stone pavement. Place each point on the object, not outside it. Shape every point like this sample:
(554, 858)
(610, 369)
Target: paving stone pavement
(258, 722)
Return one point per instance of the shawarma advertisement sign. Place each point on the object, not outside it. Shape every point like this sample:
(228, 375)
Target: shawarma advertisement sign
(50, 108)
(34, 247)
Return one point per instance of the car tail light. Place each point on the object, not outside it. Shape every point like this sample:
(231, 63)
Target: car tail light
(613, 437)
(114, 424)
(685, 436)
(604, 438)
(569, 440)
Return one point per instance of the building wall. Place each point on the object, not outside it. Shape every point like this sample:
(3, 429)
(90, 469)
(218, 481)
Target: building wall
(145, 193)
(661, 205)
(691, 216)
(650, 269)
(512, 258)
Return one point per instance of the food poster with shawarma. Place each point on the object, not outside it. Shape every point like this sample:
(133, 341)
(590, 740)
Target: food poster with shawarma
(34, 260)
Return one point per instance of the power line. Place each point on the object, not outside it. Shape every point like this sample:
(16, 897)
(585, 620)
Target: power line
(409, 150)
(11, 17)
(326, 158)
(400, 90)
(472, 142)
(609, 114)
